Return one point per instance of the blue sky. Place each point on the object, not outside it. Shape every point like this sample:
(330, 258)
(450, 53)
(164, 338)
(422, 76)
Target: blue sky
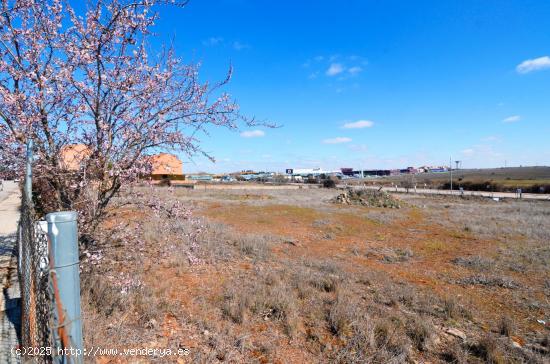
(373, 84)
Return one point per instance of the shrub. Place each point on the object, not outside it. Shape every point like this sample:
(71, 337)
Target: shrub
(455, 353)
(506, 326)
(453, 310)
(419, 331)
(391, 342)
(340, 315)
(483, 280)
(234, 306)
(256, 246)
(487, 349)
(103, 296)
(474, 262)
(329, 183)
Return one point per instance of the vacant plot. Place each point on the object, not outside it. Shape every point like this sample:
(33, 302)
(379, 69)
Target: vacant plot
(293, 276)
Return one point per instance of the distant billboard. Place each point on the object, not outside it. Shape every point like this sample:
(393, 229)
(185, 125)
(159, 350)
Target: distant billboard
(289, 171)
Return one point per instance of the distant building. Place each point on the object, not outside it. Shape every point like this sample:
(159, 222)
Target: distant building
(307, 171)
(376, 172)
(409, 170)
(200, 177)
(73, 156)
(166, 166)
(227, 178)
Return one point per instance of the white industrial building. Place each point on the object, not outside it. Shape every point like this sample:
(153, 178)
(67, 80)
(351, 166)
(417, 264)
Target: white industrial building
(304, 172)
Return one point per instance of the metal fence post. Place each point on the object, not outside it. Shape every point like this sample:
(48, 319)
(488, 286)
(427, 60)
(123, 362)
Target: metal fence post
(65, 281)
(27, 190)
(28, 171)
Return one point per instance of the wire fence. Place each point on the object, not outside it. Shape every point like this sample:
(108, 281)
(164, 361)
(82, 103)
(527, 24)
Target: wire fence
(36, 297)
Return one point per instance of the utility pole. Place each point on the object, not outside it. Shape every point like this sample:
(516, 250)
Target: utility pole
(451, 170)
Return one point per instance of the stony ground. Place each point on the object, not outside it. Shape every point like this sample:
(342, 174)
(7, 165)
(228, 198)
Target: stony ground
(291, 276)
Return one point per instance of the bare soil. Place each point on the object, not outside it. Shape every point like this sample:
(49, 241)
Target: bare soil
(291, 277)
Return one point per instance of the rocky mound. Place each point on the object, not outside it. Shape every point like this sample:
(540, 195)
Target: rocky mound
(371, 198)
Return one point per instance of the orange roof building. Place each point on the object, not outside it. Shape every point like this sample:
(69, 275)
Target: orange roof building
(73, 155)
(166, 164)
(163, 165)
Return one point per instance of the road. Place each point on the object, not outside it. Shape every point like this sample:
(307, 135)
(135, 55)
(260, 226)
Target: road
(10, 309)
(506, 195)
(9, 208)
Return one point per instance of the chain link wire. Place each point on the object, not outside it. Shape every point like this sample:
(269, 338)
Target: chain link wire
(36, 297)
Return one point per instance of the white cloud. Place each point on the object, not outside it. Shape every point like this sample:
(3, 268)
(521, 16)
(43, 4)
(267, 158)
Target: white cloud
(313, 75)
(337, 140)
(481, 151)
(359, 147)
(355, 70)
(512, 119)
(335, 69)
(491, 138)
(212, 41)
(535, 64)
(252, 133)
(468, 152)
(240, 46)
(360, 124)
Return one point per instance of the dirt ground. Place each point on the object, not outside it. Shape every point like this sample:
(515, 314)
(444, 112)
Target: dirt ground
(292, 277)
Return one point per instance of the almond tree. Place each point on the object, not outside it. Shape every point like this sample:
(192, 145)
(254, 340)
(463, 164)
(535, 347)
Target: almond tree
(69, 78)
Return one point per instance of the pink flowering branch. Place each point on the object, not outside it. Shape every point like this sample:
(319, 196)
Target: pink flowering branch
(68, 78)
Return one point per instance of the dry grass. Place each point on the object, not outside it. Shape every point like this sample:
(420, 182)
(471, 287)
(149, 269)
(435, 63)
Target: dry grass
(382, 288)
(483, 217)
(491, 281)
(506, 326)
(475, 262)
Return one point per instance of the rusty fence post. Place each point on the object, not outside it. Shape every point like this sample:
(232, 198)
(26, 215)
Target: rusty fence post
(65, 284)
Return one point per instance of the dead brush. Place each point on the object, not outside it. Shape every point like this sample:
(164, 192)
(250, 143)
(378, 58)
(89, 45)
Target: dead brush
(324, 282)
(455, 353)
(215, 242)
(420, 331)
(341, 314)
(506, 326)
(325, 275)
(149, 306)
(474, 262)
(300, 280)
(390, 340)
(487, 348)
(235, 304)
(255, 246)
(491, 281)
(397, 255)
(267, 297)
(358, 345)
(452, 309)
(103, 296)
(502, 221)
